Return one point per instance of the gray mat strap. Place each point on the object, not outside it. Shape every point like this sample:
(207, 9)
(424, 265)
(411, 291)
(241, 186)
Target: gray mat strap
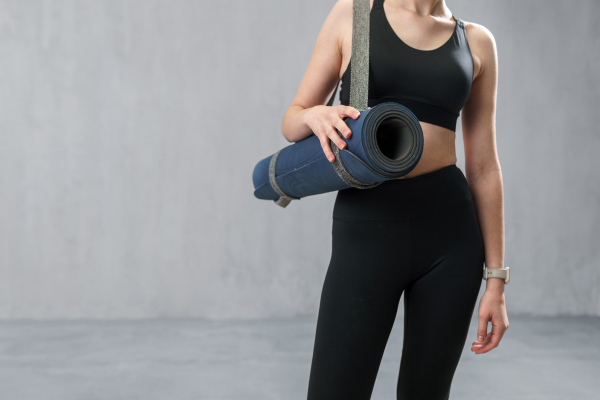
(284, 199)
(343, 173)
(359, 81)
(359, 74)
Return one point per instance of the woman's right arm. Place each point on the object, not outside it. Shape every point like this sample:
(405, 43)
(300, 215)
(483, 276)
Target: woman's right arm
(307, 113)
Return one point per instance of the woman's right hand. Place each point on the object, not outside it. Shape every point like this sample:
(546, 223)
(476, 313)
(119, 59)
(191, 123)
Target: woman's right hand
(324, 120)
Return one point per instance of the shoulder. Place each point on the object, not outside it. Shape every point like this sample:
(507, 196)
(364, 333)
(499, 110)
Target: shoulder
(483, 46)
(345, 7)
(340, 16)
(337, 24)
(480, 36)
(340, 21)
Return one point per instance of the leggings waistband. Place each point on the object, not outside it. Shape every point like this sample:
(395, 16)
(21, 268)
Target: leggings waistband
(401, 199)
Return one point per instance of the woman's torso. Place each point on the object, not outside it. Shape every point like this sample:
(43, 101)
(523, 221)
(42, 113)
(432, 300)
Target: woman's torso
(434, 76)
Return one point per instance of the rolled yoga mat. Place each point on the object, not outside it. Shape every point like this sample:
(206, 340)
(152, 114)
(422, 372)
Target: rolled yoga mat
(386, 143)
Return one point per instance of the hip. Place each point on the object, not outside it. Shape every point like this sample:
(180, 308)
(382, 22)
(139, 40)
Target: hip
(405, 199)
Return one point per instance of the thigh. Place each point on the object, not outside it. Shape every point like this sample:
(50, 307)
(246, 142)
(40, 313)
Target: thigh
(439, 304)
(358, 306)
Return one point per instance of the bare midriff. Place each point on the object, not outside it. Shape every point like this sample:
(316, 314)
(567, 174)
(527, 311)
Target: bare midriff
(438, 150)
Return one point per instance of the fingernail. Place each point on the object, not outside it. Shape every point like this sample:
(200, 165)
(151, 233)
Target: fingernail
(330, 158)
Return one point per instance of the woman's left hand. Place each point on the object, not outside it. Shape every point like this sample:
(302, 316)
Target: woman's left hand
(492, 307)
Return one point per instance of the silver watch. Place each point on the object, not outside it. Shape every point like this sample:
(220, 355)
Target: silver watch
(496, 273)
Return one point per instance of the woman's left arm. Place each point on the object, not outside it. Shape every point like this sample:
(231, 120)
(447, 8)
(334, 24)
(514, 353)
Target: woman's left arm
(483, 173)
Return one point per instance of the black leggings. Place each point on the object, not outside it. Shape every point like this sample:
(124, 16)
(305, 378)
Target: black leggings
(418, 236)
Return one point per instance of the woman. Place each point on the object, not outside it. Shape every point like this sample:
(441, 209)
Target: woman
(425, 235)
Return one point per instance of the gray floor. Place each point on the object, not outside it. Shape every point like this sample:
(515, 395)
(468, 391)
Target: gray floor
(539, 358)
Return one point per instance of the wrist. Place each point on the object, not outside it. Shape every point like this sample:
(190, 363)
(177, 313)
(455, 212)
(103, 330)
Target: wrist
(307, 114)
(495, 285)
(495, 273)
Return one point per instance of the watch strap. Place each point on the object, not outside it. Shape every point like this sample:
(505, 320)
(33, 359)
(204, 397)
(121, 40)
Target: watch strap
(502, 273)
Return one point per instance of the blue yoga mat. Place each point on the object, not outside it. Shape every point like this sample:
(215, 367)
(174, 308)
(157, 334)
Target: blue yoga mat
(386, 143)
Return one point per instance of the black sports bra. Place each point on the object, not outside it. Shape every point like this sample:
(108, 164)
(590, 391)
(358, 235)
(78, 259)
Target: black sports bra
(433, 84)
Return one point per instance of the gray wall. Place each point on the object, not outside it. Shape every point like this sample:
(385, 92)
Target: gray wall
(129, 131)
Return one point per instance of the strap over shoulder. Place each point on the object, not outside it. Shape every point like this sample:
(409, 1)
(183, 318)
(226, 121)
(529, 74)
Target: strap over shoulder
(359, 74)
(359, 97)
